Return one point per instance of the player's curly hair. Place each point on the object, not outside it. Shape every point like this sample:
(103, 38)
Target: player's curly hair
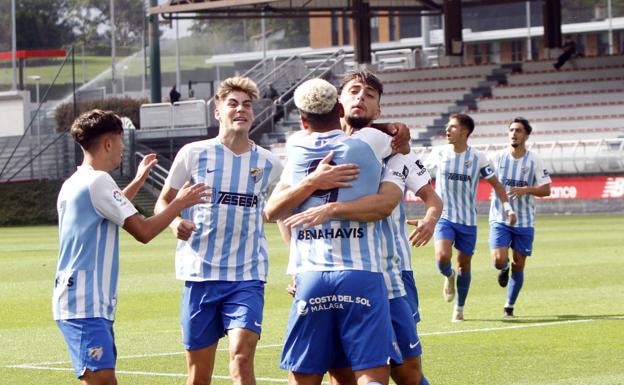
(91, 125)
(525, 123)
(366, 76)
(237, 83)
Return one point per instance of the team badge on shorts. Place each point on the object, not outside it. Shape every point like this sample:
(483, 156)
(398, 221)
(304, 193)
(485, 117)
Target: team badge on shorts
(96, 353)
(302, 307)
(256, 173)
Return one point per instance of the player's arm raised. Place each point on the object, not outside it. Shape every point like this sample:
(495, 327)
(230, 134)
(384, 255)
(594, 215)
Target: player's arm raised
(145, 229)
(368, 208)
(285, 198)
(143, 170)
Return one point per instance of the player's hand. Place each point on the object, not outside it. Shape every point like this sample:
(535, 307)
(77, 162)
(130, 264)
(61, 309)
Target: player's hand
(517, 192)
(512, 218)
(182, 228)
(328, 176)
(145, 167)
(192, 195)
(292, 287)
(400, 133)
(422, 233)
(311, 217)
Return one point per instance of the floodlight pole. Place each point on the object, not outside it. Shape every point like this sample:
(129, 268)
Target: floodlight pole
(113, 47)
(529, 46)
(609, 11)
(155, 86)
(37, 80)
(177, 52)
(13, 47)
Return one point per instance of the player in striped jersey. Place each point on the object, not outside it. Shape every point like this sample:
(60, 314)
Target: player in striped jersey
(340, 288)
(90, 209)
(458, 169)
(222, 250)
(524, 177)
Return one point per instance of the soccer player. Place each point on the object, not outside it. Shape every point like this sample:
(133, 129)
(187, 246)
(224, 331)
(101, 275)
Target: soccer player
(360, 94)
(91, 208)
(458, 169)
(522, 174)
(224, 262)
(340, 306)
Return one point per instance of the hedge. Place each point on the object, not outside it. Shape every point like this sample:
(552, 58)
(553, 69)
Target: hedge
(127, 107)
(28, 203)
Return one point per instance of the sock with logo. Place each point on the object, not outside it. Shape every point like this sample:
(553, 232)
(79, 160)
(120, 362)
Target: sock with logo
(445, 268)
(463, 285)
(515, 284)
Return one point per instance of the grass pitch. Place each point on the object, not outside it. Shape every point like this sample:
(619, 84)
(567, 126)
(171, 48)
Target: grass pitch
(569, 330)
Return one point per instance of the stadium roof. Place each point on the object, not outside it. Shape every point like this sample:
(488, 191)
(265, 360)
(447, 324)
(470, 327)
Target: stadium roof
(297, 8)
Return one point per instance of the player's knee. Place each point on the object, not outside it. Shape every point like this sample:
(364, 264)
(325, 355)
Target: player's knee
(241, 363)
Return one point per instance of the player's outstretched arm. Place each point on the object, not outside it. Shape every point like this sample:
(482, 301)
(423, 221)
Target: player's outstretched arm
(143, 170)
(424, 228)
(145, 229)
(368, 208)
(502, 195)
(285, 198)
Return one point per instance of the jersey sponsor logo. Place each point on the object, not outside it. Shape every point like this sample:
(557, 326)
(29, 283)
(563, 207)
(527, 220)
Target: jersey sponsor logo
(96, 353)
(614, 188)
(236, 199)
(403, 175)
(413, 345)
(421, 167)
(64, 279)
(209, 171)
(514, 183)
(459, 177)
(117, 195)
(330, 233)
(256, 173)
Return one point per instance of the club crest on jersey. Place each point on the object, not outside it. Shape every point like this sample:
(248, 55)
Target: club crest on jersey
(468, 163)
(96, 353)
(256, 173)
(525, 169)
(117, 195)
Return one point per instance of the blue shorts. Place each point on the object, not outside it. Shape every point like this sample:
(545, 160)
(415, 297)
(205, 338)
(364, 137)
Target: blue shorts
(412, 292)
(519, 239)
(91, 343)
(211, 308)
(405, 327)
(339, 319)
(463, 237)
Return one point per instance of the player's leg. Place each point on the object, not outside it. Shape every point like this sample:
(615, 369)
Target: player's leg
(410, 372)
(500, 240)
(91, 345)
(242, 318)
(378, 375)
(295, 378)
(342, 376)
(202, 328)
(243, 344)
(522, 245)
(465, 243)
(444, 237)
(200, 364)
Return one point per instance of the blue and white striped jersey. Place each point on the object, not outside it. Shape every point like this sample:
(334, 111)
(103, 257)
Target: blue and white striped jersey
(408, 173)
(90, 209)
(457, 179)
(229, 243)
(336, 244)
(512, 172)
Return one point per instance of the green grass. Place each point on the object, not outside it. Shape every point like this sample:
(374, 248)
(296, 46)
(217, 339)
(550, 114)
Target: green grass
(570, 327)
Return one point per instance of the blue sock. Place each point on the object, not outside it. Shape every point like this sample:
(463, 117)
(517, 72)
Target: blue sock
(445, 268)
(515, 284)
(424, 381)
(463, 285)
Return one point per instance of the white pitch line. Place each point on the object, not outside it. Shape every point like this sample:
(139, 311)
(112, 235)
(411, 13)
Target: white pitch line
(41, 365)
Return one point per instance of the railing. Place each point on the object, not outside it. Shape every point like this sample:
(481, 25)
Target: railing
(157, 176)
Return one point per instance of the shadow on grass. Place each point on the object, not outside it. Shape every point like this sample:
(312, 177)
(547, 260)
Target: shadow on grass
(554, 318)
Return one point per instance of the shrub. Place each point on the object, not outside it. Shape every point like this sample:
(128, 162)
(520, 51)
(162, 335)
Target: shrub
(127, 107)
(28, 203)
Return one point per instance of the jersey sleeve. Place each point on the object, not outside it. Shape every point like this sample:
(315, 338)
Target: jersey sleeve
(380, 143)
(431, 160)
(406, 171)
(179, 172)
(276, 171)
(109, 201)
(542, 176)
(486, 171)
